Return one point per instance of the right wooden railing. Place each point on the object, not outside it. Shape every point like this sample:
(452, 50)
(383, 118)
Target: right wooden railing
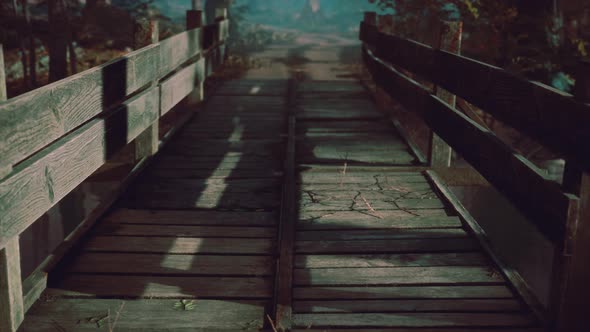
(55, 137)
(557, 120)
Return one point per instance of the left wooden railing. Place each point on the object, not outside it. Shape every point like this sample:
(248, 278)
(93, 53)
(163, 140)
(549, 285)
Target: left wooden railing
(55, 137)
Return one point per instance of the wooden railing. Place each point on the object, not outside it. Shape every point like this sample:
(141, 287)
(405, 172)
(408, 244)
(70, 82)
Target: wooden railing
(559, 121)
(55, 137)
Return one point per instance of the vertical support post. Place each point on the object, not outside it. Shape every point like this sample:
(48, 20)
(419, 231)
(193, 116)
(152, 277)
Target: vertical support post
(449, 39)
(12, 310)
(384, 25)
(147, 143)
(194, 19)
(571, 293)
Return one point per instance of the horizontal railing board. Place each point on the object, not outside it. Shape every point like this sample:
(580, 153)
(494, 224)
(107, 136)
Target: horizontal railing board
(40, 182)
(541, 200)
(552, 117)
(175, 88)
(178, 49)
(33, 120)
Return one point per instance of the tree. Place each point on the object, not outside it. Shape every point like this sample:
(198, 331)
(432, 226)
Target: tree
(58, 43)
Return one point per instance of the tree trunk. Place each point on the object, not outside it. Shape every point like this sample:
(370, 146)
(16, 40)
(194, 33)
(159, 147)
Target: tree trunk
(58, 44)
(23, 52)
(32, 46)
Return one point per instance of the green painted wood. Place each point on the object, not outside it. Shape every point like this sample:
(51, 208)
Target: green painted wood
(11, 293)
(39, 183)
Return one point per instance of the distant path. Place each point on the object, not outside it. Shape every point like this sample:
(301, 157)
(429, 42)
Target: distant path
(314, 55)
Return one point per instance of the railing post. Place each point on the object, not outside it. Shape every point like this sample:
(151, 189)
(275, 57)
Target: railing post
(449, 39)
(384, 25)
(569, 307)
(12, 310)
(5, 168)
(147, 143)
(194, 19)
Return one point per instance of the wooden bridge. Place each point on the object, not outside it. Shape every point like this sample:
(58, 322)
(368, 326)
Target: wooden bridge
(287, 204)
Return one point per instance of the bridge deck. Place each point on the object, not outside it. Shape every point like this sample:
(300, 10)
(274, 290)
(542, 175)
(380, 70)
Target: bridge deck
(193, 245)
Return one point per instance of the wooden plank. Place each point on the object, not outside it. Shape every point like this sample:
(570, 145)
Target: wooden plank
(282, 304)
(542, 201)
(175, 265)
(386, 246)
(393, 260)
(352, 176)
(356, 220)
(180, 85)
(358, 202)
(165, 287)
(40, 182)
(11, 293)
(183, 217)
(267, 185)
(415, 320)
(396, 276)
(500, 93)
(449, 39)
(185, 231)
(517, 282)
(214, 173)
(430, 305)
(346, 194)
(196, 200)
(3, 92)
(60, 107)
(436, 329)
(380, 234)
(145, 315)
(383, 188)
(164, 245)
(178, 49)
(405, 292)
(252, 88)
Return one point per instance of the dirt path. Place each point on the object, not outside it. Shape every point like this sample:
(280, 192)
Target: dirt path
(313, 56)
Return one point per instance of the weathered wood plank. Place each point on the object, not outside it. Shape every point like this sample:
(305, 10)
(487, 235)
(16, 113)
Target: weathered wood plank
(539, 199)
(351, 176)
(165, 287)
(406, 292)
(188, 246)
(177, 87)
(430, 305)
(415, 320)
(58, 108)
(252, 88)
(343, 194)
(380, 234)
(358, 202)
(436, 329)
(145, 315)
(182, 217)
(178, 49)
(498, 92)
(176, 265)
(196, 200)
(186, 231)
(385, 246)
(389, 220)
(12, 311)
(214, 173)
(394, 260)
(396, 276)
(39, 183)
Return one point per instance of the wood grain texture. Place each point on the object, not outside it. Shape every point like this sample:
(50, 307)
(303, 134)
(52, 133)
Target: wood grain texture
(178, 49)
(181, 217)
(414, 320)
(165, 287)
(385, 246)
(60, 107)
(406, 292)
(542, 201)
(396, 276)
(394, 220)
(391, 260)
(379, 234)
(39, 183)
(164, 245)
(186, 231)
(145, 315)
(177, 87)
(12, 310)
(430, 305)
(175, 265)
